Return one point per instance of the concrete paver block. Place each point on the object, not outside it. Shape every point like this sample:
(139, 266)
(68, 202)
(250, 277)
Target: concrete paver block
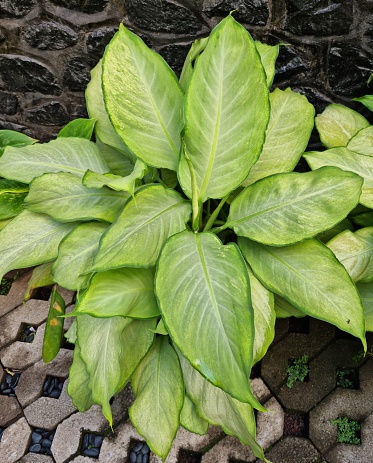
(270, 425)
(47, 413)
(15, 296)
(10, 410)
(30, 386)
(15, 441)
(260, 390)
(293, 450)
(35, 458)
(115, 447)
(355, 404)
(21, 355)
(275, 362)
(84, 459)
(69, 432)
(33, 312)
(303, 396)
(227, 449)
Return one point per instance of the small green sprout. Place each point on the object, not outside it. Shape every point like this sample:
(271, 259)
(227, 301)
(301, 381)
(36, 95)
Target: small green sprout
(347, 430)
(297, 371)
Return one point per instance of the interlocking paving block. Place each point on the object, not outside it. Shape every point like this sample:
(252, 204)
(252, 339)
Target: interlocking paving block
(355, 404)
(67, 295)
(10, 410)
(227, 449)
(47, 412)
(275, 362)
(15, 296)
(345, 453)
(36, 458)
(68, 434)
(260, 390)
(2, 374)
(83, 459)
(21, 355)
(33, 312)
(293, 450)
(270, 425)
(30, 386)
(305, 395)
(281, 330)
(15, 441)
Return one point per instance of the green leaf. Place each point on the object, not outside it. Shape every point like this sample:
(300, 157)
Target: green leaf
(289, 129)
(125, 292)
(13, 138)
(365, 219)
(355, 252)
(349, 161)
(220, 409)
(362, 142)
(41, 276)
(71, 333)
(268, 55)
(286, 208)
(136, 237)
(116, 182)
(4, 223)
(366, 294)
(337, 124)
(12, 195)
(117, 162)
(204, 294)
(264, 316)
(309, 276)
(76, 253)
(30, 239)
(111, 349)
(161, 329)
(190, 420)
(146, 117)
(78, 387)
(367, 101)
(159, 390)
(195, 50)
(284, 309)
(54, 327)
(104, 129)
(63, 197)
(327, 235)
(75, 155)
(225, 121)
(81, 128)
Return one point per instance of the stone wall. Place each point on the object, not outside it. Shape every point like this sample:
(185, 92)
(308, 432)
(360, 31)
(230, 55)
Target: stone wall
(47, 48)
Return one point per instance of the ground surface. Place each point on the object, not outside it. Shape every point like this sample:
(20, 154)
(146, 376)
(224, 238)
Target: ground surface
(298, 429)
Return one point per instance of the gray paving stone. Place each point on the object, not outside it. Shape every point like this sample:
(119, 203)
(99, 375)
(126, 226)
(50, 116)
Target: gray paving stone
(355, 404)
(2, 374)
(227, 449)
(260, 390)
(67, 438)
(10, 410)
(21, 355)
(303, 396)
(344, 453)
(83, 459)
(35, 458)
(275, 362)
(15, 441)
(33, 312)
(270, 425)
(293, 450)
(30, 386)
(15, 296)
(115, 447)
(47, 413)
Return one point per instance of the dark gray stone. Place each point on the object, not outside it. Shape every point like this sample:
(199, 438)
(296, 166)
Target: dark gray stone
(319, 17)
(356, 68)
(8, 103)
(76, 75)
(50, 36)
(247, 11)
(175, 55)
(23, 74)
(51, 113)
(85, 6)
(16, 8)
(162, 16)
(97, 41)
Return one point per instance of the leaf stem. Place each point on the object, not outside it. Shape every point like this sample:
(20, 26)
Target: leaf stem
(214, 215)
(195, 202)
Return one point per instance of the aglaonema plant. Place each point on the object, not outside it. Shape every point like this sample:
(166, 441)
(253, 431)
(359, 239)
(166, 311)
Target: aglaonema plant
(179, 228)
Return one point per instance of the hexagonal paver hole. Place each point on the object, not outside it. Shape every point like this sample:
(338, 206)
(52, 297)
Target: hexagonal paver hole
(5, 285)
(26, 333)
(255, 371)
(348, 431)
(187, 456)
(1, 432)
(298, 370)
(299, 325)
(41, 441)
(8, 386)
(347, 378)
(42, 294)
(91, 444)
(296, 425)
(52, 387)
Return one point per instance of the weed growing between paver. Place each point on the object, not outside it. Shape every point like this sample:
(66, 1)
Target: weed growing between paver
(185, 231)
(348, 430)
(347, 378)
(297, 370)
